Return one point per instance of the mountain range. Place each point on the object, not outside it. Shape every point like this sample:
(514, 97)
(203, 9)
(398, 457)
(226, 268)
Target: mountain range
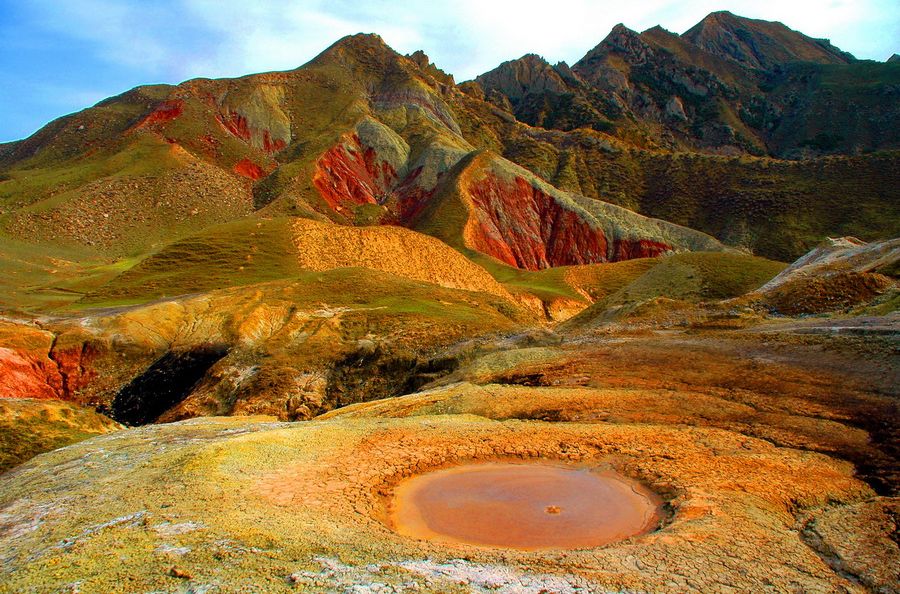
(262, 304)
(720, 130)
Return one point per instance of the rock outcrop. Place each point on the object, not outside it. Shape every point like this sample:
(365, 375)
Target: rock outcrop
(838, 274)
(193, 504)
(524, 222)
(760, 44)
(529, 74)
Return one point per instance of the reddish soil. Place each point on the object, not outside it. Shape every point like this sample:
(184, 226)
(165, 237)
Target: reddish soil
(248, 168)
(22, 376)
(236, 124)
(524, 227)
(412, 197)
(350, 174)
(61, 375)
(271, 145)
(628, 249)
(164, 112)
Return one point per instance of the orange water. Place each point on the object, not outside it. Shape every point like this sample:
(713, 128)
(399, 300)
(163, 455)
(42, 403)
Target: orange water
(523, 506)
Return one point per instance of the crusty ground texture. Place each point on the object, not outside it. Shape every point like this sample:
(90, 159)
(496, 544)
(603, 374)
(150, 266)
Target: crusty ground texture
(755, 501)
(238, 503)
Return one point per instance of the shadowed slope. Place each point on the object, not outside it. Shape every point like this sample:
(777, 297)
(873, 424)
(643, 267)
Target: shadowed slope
(362, 135)
(760, 44)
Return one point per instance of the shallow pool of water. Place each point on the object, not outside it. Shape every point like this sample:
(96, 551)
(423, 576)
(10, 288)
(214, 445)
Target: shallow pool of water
(523, 506)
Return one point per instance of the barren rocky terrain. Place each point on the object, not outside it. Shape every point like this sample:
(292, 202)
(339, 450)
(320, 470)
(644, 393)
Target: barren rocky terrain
(751, 442)
(239, 318)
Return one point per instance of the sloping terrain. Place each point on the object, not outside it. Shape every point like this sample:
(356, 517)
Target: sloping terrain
(760, 44)
(251, 251)
(848, 286)
(362, 135)
(744, 443)
(837, 275)
(284, 294)
(281, 347)
(841, 254)
(32, 427)
(390, 249)
(777, 209)
(677, 284)
(504, 211)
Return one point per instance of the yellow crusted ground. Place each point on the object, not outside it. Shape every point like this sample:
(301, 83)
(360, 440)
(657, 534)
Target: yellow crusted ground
(758, 497)
(240, 502)
(396, 250)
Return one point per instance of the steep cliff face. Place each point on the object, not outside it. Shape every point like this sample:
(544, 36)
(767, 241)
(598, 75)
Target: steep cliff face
(374, 168)
(504, 211)
(163, 113)
(351, 174)
(25, 376)
(524, 227)
(539, 232)
(34, 364)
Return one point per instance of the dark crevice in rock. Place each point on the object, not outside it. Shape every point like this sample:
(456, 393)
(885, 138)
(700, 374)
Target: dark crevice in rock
(61, 393)
(548, 415)
(879, 466)
(811, 538)
(164, 384)
(265, 192)
(523, 379)
(372, 374)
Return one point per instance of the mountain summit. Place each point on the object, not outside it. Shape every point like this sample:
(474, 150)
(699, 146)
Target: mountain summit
(761, 44)
(532, 165)
(313, 307)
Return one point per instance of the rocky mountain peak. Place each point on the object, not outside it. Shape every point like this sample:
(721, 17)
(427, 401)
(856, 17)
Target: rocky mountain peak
(425, 64)
(621, 40)
(529, 74)
(621, 37)
(361, 48)
(760, 44)
(362, 41)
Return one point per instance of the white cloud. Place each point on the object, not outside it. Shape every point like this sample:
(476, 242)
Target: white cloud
(273, 36)
(121, 33)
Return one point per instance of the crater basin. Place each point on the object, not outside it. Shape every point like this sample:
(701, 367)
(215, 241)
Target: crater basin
(523, 506)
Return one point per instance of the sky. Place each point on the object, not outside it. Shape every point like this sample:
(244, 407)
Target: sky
(60, 56)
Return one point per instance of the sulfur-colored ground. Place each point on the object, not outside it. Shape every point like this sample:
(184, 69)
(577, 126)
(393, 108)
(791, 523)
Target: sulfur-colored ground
(31, 427)
(754, 468)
